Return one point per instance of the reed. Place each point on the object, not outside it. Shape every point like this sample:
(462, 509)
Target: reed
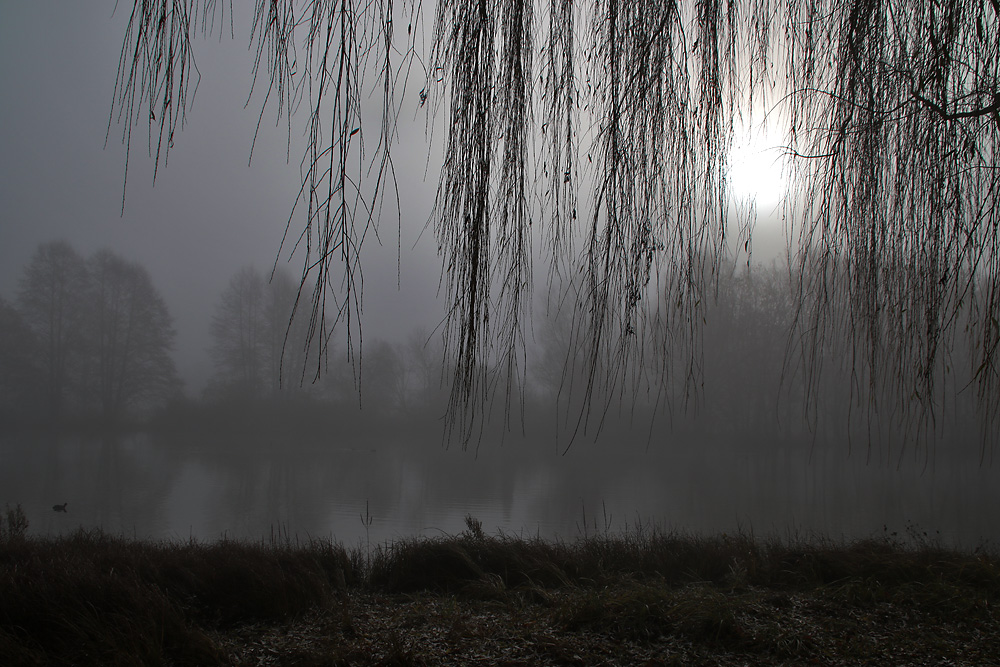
(95, 598)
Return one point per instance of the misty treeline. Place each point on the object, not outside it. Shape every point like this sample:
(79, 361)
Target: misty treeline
(260, 351)
(89, 339)
(261, 354)
(85, 340)
(749, 382)
(603, 129)
(753, 389)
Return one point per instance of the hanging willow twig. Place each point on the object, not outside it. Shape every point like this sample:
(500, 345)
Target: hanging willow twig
(899, 213)
(891, 117)
(346, 44)
(155, 71)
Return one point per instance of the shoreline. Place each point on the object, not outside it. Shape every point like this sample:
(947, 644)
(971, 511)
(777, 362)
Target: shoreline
(637, 597)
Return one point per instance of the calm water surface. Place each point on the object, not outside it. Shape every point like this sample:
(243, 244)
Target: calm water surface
(177, 488)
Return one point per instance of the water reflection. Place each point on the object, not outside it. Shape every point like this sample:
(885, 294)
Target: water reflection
(210, 487)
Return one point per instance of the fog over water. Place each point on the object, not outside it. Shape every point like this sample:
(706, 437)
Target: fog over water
(175, 489)
(213, 462)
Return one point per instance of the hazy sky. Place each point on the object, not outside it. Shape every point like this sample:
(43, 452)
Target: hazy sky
(208, 214)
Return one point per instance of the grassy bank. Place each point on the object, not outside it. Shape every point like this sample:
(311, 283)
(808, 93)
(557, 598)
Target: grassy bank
(643, 596)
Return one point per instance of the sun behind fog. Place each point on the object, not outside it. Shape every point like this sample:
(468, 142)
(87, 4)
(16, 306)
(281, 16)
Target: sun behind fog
(757, 166)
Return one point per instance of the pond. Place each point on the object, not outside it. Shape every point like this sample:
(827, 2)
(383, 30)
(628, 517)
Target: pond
(181, 487)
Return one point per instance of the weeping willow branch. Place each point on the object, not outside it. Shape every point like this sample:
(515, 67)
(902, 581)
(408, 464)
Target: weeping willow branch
(155, 70)
(658, 230)
(898, 252)
(463, 54)
(346, 45)
(890, 114)
(560, 97)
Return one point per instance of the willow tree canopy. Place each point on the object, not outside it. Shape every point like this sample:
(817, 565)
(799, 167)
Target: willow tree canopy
(604, 130)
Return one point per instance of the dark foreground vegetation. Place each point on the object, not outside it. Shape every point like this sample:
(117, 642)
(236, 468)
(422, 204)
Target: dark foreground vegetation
(640, 597)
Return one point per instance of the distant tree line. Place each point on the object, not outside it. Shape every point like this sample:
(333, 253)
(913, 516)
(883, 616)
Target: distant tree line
(261, 352)
(748, 379)
(84, 339)
(754, 389)
(90, 339)
(249, 330)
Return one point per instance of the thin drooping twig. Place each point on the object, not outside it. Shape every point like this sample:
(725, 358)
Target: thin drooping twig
(890, 119)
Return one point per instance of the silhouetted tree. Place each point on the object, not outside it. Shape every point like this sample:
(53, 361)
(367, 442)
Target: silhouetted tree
(130, 335)
(258, 348)
(20, 389)
(240, 335)
(383, 381)
(287, 341)
(422, 359)
(97, 331)
(891, 111)
(746, 338)
(52, 302)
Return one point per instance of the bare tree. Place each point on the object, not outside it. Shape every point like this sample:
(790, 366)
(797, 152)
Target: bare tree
(130, 336)
(19, 372)
(240, 336)
(52, 303)
(624, 123)
(287, 349)
(258, 347)
(383, 387)
(100, 333)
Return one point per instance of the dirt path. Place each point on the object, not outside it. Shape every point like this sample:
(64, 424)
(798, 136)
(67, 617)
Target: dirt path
(635, 624)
